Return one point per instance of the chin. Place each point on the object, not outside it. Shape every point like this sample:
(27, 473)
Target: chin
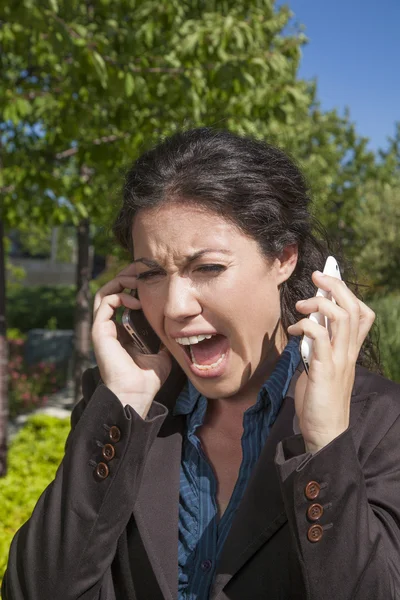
(213, 389)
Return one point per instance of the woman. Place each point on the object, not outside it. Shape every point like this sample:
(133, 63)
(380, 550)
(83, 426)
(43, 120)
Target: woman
(217, 468)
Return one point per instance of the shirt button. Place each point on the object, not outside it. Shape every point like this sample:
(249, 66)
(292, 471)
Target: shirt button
(206, 565)
(312, 490)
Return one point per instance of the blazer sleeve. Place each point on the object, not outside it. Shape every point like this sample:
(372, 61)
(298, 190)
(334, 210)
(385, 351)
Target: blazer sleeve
(343, 507)
(66, 547)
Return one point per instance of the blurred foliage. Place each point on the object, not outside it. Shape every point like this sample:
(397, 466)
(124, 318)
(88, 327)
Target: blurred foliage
(377, 229)
(36, 241)
(387, 310)
(34, 455)
(29, 386)
(40, 306)
(15, 334)
(82, 96)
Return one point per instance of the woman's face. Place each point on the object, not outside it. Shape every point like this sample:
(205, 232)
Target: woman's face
(199, 276)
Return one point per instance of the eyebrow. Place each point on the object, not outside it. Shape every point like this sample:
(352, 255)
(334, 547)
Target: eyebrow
(188, 259)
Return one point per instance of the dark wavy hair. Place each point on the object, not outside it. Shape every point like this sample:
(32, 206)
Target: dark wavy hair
(253, 184)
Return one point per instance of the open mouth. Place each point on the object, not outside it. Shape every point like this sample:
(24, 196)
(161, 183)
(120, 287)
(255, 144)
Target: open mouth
(206, 352)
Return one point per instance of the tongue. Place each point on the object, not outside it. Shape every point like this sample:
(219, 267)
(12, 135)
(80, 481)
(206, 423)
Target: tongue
(209, 351)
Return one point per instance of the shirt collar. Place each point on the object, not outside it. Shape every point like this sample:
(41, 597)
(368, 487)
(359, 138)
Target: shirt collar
(273, 390)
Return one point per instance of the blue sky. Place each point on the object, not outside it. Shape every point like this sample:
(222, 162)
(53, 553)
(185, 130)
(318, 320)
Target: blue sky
(354, 52)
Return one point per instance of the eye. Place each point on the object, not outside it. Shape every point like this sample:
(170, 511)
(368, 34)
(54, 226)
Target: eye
(147, 275)
(211, 269)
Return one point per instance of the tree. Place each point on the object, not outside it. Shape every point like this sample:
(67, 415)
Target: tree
(377, 228)
(3, 359)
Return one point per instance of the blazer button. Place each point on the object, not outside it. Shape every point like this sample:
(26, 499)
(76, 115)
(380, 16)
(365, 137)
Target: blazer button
(114, 434)
(108, 451)
(315, 512)
(312, 490)
(315, 533)
(102, 470)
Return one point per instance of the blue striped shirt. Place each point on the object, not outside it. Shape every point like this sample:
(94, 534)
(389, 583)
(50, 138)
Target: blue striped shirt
(201, 535)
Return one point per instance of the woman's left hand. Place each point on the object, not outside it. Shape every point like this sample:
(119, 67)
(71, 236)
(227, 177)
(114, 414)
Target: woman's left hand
(322, 398)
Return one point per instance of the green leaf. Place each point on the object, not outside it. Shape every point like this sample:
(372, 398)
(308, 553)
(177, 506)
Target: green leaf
(101, 69)
(129, 84)
(10, 113)
(54, 5)
(80, 29)
(82, 209)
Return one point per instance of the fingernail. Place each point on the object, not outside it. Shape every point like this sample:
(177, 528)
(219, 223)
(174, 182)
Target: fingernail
(300, 301)
(320, 273)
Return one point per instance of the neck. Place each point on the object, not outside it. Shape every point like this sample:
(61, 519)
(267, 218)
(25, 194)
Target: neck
(227, 413)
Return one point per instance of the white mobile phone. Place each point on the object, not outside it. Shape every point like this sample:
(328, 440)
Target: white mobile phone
(306, 345)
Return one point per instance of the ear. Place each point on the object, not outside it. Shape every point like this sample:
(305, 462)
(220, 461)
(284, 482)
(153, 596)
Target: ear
(287, 261)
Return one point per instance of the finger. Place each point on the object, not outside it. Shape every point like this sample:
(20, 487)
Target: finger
(119, 284)
(111, 303)
(338, 321)
(367, 318)
(322, 348)
(129, 269)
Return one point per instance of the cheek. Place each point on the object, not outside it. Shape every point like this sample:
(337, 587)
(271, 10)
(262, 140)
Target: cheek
(152, 305)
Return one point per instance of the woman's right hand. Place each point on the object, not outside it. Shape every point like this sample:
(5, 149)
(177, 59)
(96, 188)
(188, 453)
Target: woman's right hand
(133, 377)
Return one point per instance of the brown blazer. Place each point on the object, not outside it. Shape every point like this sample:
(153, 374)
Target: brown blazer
(114, 535)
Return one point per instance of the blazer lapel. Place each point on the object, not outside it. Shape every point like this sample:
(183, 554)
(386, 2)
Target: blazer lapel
(157, 504)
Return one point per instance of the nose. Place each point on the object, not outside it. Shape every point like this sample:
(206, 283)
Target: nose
(182, 302)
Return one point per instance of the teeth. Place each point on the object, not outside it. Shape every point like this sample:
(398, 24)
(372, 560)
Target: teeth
(208, 367)
(193, 339)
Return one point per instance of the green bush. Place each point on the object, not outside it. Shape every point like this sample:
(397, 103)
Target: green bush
(33, 458)
(41, 307)
(387, 310)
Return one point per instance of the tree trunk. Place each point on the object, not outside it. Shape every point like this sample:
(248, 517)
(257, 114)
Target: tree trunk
(3, 359)
(83, 321)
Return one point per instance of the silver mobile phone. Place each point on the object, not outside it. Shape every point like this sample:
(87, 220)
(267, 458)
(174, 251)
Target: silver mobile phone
(306, 345)
(138, 327)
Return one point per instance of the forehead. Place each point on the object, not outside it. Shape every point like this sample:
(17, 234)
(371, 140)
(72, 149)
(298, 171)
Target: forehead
(174, 229)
